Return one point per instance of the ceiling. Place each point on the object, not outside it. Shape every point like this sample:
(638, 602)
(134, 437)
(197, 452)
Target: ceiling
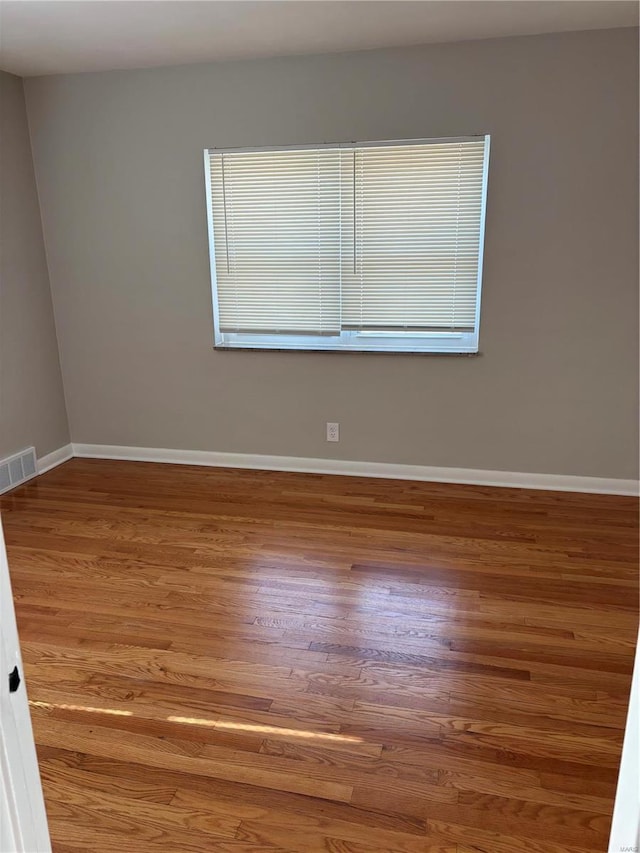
(62, 36)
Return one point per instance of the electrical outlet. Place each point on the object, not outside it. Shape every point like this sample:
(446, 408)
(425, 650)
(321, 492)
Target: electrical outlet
(333, 432)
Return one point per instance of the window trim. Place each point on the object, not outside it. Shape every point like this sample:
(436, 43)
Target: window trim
(348, 341)
(442, 343)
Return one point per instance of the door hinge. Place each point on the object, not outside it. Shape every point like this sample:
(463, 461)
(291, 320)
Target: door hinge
(14, 680)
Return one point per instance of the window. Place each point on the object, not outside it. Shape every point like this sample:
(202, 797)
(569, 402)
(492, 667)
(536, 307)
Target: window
(363, 246)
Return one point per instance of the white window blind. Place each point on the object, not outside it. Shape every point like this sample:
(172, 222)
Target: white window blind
(276, 222)
(359, 246)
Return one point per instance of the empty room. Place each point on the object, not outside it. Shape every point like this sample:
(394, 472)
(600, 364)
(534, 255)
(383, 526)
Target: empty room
(319, 426)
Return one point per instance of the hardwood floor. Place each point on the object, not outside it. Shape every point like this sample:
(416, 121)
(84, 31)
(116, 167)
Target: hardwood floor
(256, 661)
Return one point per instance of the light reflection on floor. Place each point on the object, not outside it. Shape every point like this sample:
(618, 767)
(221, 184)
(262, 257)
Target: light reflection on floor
(223, 725)
(51, 705)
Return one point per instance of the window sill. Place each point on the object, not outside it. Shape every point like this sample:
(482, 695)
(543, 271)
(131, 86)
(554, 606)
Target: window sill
(345, 351)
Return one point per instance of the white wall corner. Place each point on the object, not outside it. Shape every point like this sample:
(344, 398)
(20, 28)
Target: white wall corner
(384, 470)
(55, 458)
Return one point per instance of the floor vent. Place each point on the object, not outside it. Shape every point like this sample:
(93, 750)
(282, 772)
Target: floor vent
(17, 469)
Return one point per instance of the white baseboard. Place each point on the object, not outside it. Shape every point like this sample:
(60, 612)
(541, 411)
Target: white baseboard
(56, 457)
(385, 470)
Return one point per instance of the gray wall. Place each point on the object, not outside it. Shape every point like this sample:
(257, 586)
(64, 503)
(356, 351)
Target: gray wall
(119, 163)
(32, 407)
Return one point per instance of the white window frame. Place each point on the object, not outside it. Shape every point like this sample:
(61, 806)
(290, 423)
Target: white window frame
(441, 342)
